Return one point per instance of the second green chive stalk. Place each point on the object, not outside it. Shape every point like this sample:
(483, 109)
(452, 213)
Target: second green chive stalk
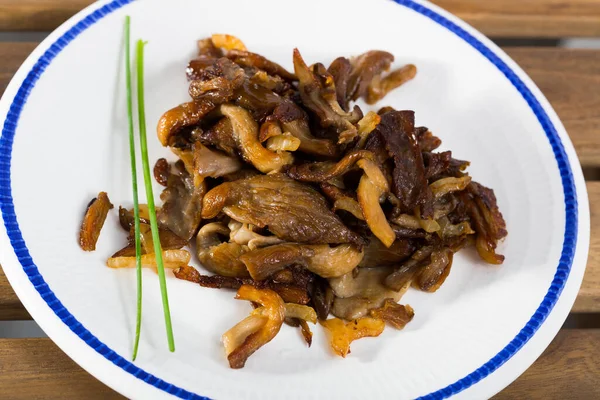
(150, 194)
(136, 206)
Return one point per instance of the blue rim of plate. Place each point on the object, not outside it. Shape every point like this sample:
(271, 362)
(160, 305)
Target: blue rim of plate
(22, 253)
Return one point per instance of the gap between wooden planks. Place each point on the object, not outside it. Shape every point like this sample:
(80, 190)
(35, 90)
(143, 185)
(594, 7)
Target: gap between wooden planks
(501, 18)
(37, 368)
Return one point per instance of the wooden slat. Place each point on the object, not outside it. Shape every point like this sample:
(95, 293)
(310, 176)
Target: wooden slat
(37, 369)
(37, 15)
(530, 18)
(569, 78)
(11, 308)
(568, 369)
(588, 299)
(505, 18)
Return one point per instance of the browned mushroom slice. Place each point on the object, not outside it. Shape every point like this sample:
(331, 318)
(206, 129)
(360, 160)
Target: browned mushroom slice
(403, 276)
(248, 59)
(93, 221)
(182, 202)
(218, 82)
(319, 96)
(443, 186)
(340, 70)
(486, 220)
(245, 133)
(258, 99)
(409, 181)
(397, 315)
(358, 293)
(323, 260)
(378, 255)
(273, 308)
(171, 259)
(431, 276)
(293, 211)
(262, 263)
(427, 141)
(186, 114)
(342, 200)
(327, 170)
(342, 333)
(365, 67)
(220, 135)
(295, 121)
(379, 87)
(218, 257)
(212, 163)
(227, 42)
(371, 188)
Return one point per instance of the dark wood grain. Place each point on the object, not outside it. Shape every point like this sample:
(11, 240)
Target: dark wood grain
(37, 15)
(570, 79)
(568, 369)
(11, 308)
(530, 18)
(37, 369)
(506, 18)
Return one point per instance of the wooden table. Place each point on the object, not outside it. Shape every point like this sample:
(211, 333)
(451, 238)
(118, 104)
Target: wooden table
(568, 369)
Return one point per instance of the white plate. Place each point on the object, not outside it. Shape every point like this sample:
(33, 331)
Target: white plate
(64, 139)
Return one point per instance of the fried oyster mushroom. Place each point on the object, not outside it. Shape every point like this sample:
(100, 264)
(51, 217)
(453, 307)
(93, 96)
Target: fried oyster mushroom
(303, 203)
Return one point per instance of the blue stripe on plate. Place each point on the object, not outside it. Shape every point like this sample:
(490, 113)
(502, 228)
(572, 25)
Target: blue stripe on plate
(22, 253)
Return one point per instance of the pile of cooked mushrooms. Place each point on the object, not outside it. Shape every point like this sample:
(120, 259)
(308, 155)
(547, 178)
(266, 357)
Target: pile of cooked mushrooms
(303, 203)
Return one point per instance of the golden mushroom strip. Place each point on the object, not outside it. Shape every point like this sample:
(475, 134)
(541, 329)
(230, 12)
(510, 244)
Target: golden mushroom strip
(245, 131)
(171, 258)
(342, 333)
(273, 308)
(371, 187)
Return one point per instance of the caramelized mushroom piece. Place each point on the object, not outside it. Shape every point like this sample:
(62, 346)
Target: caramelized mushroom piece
(358, 293)
(365, 67)
(342, 334)
(218, 257)
(378, 255)
(247, 59)
(379, 87)
(397, 315)
(184, 115)
(322, 260)
(327, 170)
(431, 276)
(227, 42)
(396, 132)
(182, 202)
(317, 90)
(93, 221)
(212, 163)
(295, 121)
(218, 82)
(245, 132)
(293, 211)
(272, 307)
(171, 259)
(372, 186)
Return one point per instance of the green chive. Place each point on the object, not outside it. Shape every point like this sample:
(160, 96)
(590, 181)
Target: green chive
(150, 195)
(136, 206)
